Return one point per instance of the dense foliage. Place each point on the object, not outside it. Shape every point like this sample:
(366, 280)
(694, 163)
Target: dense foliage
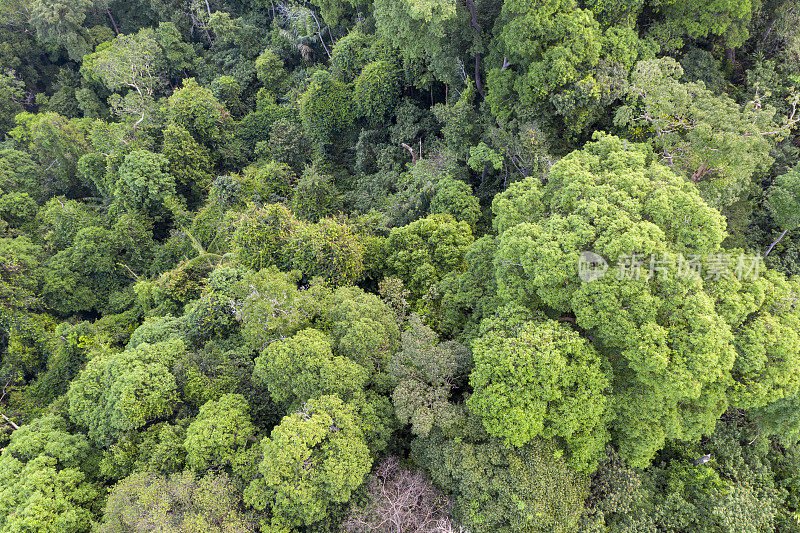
(400, 266)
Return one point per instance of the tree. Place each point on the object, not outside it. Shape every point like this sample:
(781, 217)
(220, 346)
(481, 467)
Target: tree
(83, 276)
(120, 392)
(313, 460)
(455, 198)
(426, 374)
(613, 198)
(435, 32)
(315, 196)
(38, 495)
(43, 486)
(262, 236)
(693, 19)
(157, 448)
(182, 503)
(221, 430)
(57, 143)
(189, 163)
(714, 141)
(541, 379)
(11, 92)
(377, 91)
(271, 306)
(326, 110)
(362, 328)
(784, 203)
(130, 62)
(270, 71)
(420, 253)
(304, 366)
(60, 24)
(269, 182)
(19, 274)
(198, 111)
(328, 249)
(145, 184)
(562, 63)
(502, 489)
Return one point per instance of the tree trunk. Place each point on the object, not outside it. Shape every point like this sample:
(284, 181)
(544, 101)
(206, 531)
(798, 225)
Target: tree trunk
(474, 22)
(730, 55)
(478, 84)
(10, 422)
(776, 241)
(113, 22)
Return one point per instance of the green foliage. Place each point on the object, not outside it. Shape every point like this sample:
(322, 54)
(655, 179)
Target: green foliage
(181, 502)
(145, 184)
(455, 198)
(541, 379)
(362, 328)
(304, 366)
(313, 461)
(377, 91)
(501, 489)
(591, 203)
(262, 236)
(327, 110)
(315, 195)
(784, 199)
(60, 24)
(482, 155)
(198, 111)
(270, 72)
(56, 143)
(426, 373)
(189, 163)
(93, 172)
(269, 182)
(328, 249)
(350, 55)
(130, 62)
(157, 448)
(19, 273)
(562, 58)
(216, 219)
(220, 431)
(11, 91)
(119, 392)
(693, 19)
(39, 496)
(81, 277)
(272, 306)
(716, 142)
(18, 173)
(422, 251)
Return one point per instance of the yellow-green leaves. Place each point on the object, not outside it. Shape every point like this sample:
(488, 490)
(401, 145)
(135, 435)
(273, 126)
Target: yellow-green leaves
(313, 460)
(123, 391)
(542, 380)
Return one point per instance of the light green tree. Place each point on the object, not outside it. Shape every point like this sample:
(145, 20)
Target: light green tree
(221, 430)
(183, 503)
(119, 392)
(313, 460)
(541, 379)
(784, 203)
(670, 350)
(425, 374)
(304, 366)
